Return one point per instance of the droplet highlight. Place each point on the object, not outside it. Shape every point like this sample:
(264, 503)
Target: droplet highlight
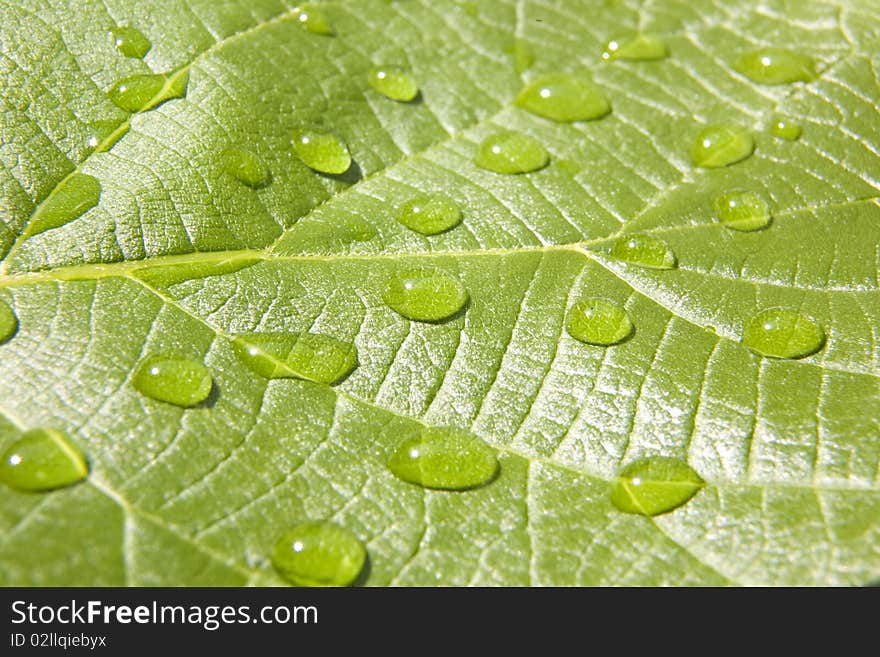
(720, 145)
(598, 321)
(310, 17)
(511, 152)
(246, 167)
(445, 458)
(42, 460)
(319, 554)
(743, 210)
(786, 129)
(130, 41)
(139, 93)
(305, 355)
(563, 98)
(655, 485)
(430, 214)
(72, 197)
(179, 381)
(776, 66)
(394, 83)
(783, 333)
(644, 251)
(643, 47)
(425, 295)
(325, 152)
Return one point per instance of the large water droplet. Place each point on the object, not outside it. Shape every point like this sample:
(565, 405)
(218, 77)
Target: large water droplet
(426, 295)
(138, 93)
(598, 321)
(394, 83)
(720, 145)
(429, 214)
(562, 97)
(776, 66)
(311, 356)
(445, 458)
(319, 554)
(8, 322)
(783, 333)
(41, 460)
(645, 251)
(130, 41)
(743, 210)
(322, 151)
(511, 152)
(655, 485)
(786, 129)
(180, 381)
(310, 17)
(73, 196)
(643, 47)
(245, 166)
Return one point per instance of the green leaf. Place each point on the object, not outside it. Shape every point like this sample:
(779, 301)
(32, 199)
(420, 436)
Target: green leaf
(179, 256)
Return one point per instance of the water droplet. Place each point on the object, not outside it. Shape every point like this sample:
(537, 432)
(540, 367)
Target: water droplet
(8, 322)
(322, 151)
(786, 129)
(73, 196)
(743, 210)
(564, 98)
(511, 152)
(445, 458)
(643, 47)
(179, 381)
(42, 460)
(429, 214)
(425, 295)
(172, 274)
(783, 333)
(523, 56)
(720, 145)
(655, 485)
(394, 83)
(138, 93)
(130, 41)
(319, 554)
(311, 18)
(598, 321)
(246, 167)
(776, 66)
(645, 251)
(311, 356)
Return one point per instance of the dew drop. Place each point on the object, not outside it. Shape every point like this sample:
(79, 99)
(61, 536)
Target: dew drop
(138, 93)
(643, 47)
(311, 356)
(130, 41)
(721, 144)
(645, 251)
(445, 458)
(325, 152)
(246, 167)
(786, 129)
(776, 66)
(598, 321)
(563, 98)
(523, 56)
(74, 195)
(783, 333)
(42, 460)
(310, 17)
(179, 381)
(8, 322)
(743, 210)
(511, 152)
(425, 295)
(394, 83)
(319, 554)
(655, 485)
(430, 214)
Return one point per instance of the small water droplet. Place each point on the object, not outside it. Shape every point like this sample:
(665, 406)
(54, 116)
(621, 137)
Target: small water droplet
(246, 167)
(179, 381)
(655, 485)
(776, 66)
(743, 210)
(42, 460)
(312, 18)
(445, 458)
(130, 41)
(786, 129)
(394, 83)
(325, 152)
(783, 333)
(75, 195)
(8, 322)
(164, 276)
(425, 295)
(598, 321)
(430, 214)
(511, 152)
(138, 93)
(643, 47)
(564, 98)
(305, 355)
(720, 145)
(319, 554)
(523, 56)
(645, 251)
